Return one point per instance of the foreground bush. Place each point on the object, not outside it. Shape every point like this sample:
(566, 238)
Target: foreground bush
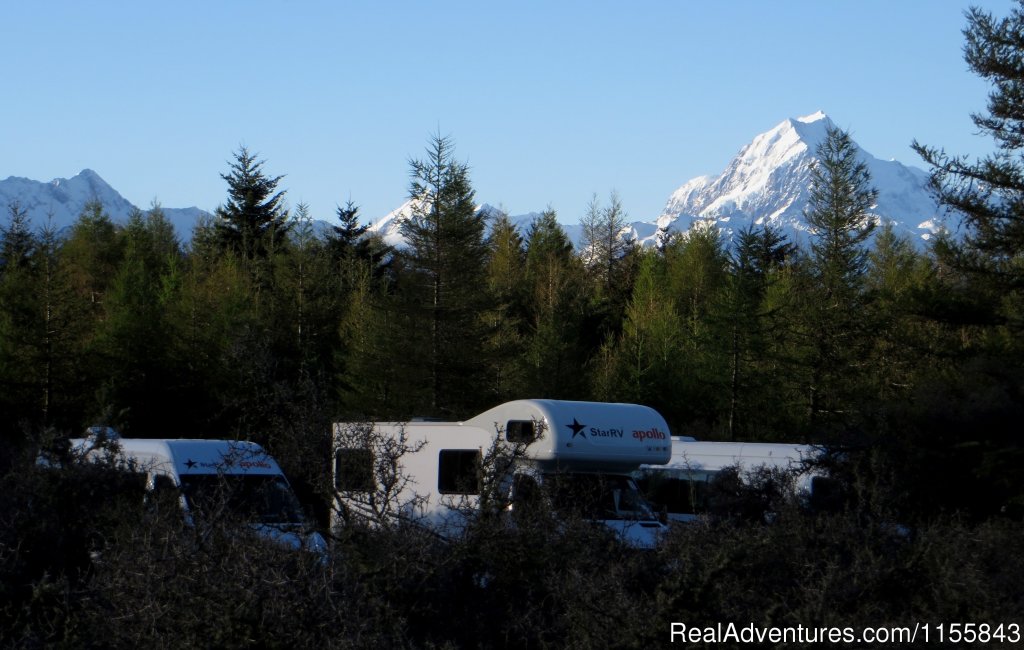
(79, 569)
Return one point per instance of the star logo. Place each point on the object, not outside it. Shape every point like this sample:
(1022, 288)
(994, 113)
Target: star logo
(190, 463)
(577, 429)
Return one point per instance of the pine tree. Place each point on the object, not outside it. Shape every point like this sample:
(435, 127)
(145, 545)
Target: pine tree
(697, 279)
(93, 253)
(989, 193)
(19, 315)
(446, 256)
(354, 249)
(17, 243)
(130, 340)
(610, 257)
(557, 300)
(645, 363)
(254, 221)
(505, 320)
(838, 212)
(757, 256)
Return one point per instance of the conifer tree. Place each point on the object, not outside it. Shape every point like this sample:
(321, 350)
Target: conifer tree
(757, 256)
(17, 243)
(696, 276)
(989, 192)
(93, 253)
(838, 212)
(610, 257)
(19, 316)
(446, 256)
(645, 363)
(253, 222)
(130, 339)
(557, 300)
(504, 321)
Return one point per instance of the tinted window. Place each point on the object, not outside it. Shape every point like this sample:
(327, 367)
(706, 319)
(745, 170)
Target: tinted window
(458, 471)
(520, 431)
(678, 496)
(255, 498)
(598, 496)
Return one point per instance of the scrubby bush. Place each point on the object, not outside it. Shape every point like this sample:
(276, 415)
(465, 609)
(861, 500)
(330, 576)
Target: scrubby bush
(81, 566)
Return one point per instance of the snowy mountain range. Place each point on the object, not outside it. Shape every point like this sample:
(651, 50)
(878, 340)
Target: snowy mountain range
(768, 181)
(60, 202)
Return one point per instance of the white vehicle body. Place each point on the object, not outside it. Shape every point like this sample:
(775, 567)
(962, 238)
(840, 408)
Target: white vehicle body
(681, 484)
(236, 475)
(577, 446)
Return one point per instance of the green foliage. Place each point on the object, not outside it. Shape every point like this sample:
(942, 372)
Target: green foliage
(445, 261)
(253, 222)
(505, 321)
(557, 299)
(838, 212)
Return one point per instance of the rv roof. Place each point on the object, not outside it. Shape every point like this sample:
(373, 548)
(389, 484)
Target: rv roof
(193, 456)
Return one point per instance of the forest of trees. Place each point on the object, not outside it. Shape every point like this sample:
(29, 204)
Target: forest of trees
(265, 327)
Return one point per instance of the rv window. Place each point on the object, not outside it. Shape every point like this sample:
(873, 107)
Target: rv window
(458, 471)
(353, 470)
(679, 496)
(598, 496)
(256, 498)
(520, 431)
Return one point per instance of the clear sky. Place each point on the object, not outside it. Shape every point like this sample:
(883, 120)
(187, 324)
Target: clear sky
(548, 102)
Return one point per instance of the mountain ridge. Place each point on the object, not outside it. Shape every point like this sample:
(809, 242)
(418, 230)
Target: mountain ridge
(767, 182)
(60, 201)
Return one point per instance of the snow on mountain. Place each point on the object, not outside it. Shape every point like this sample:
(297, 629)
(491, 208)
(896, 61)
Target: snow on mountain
(389, 227)
(60, 202)
(769, 182)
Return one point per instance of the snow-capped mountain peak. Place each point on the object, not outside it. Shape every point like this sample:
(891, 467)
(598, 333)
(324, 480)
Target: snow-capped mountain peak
(769, 182)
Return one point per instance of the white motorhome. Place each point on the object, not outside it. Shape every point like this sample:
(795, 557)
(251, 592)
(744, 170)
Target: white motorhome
(681, 485)
(238, 478)
(581, 452)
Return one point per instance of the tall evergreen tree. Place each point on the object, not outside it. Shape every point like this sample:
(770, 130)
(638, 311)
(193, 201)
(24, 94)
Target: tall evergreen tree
(93, 253)
(19, 327)
(253, 221)
(610, 257)
(989, 192)
(130, 340)
(644, 364)
(980, 281)
(504, 321)
(354, 249)
(697, 279)
(757, 256)
(17, 243)
(446, 254)
(558, 296)
(839, 214)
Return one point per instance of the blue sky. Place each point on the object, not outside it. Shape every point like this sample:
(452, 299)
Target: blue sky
(548, 102)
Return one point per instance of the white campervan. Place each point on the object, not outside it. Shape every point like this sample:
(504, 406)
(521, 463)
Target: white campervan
(238, 478)
(681, 485)
(582, 453)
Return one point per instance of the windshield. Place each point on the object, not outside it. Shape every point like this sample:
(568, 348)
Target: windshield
(256, 498)
(598, 496)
